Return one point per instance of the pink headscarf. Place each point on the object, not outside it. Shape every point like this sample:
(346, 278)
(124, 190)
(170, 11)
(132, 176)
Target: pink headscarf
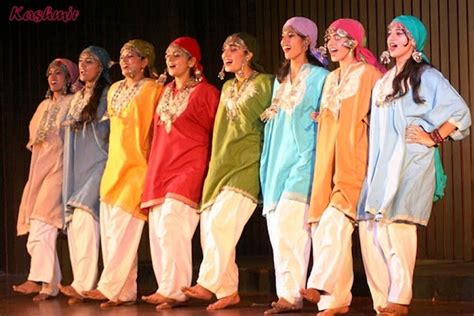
(355, 30)
(72, 69)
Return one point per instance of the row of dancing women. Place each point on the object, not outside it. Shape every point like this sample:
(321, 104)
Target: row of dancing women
(110, 157)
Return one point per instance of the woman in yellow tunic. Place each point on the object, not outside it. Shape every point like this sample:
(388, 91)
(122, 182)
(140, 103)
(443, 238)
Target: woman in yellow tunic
(341, 163)
(131, 105)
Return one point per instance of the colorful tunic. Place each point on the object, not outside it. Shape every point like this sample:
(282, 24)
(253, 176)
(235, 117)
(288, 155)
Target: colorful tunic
(237, 139)
(342, 142)
(181, 145)
(124, 175)
(85, 155)
(288, 149)
(401, 177)
(41, 199)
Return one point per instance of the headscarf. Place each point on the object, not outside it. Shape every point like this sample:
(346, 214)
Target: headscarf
(307, 28)
(144, 49)
(356, 31)
(69, 69)
(103, 57)
(250, 43)
(416, 30)
(191, 46)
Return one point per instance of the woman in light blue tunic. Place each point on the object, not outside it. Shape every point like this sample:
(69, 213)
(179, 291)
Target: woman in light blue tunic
(85, 154)
(288, 158)
(414, 108)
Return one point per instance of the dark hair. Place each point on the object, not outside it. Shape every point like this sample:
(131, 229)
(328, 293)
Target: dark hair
(89, 113)
(285, 67)
(409, 76)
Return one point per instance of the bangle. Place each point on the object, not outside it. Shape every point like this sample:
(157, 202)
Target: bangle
(436, 137)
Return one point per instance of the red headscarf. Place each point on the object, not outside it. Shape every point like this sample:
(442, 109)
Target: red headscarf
(355, 30)
(192, 47)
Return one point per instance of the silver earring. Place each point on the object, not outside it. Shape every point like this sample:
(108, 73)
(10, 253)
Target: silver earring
(385, 57)
(221, 74)
(162, 78)
(197, 74)
(417, 56)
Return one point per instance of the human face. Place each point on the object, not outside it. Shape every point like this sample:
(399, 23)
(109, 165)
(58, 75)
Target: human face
(336, 43)
(399, 44)
(56, 79)
(234, 55)
(178, 61)
(131, 63)
(293, 44)
(89, 67)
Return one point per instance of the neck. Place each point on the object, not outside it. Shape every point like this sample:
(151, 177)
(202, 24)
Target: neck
(295, 65)
(247, 73)
(401, 61)
(180, 81)
(90, 84)
(347, 61)
(131, 81)
(57, 95)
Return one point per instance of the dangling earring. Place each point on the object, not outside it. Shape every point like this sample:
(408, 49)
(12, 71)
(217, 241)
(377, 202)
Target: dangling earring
(65, 88)
(221, 74)
(385, 57)
(197, 74)
(417, 56)
(49, 94)
(162, 78)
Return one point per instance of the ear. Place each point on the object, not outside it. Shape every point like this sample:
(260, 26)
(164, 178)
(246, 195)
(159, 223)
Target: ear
(192, 62)
(144, 62)
(356, 43)
(249, 56)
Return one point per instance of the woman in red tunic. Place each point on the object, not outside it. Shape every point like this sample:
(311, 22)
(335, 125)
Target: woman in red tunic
(176, 169)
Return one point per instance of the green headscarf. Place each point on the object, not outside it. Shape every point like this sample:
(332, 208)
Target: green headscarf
(417, 31)
(144, 49)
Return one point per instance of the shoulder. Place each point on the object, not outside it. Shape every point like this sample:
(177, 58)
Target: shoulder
(205, 87)
(316, 71)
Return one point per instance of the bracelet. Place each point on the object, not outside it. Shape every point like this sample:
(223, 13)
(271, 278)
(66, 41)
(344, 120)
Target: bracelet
(436, 137)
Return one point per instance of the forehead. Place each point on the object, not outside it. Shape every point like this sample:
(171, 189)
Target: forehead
(88, 55)
(289, 29)
(173, 48)
(234, 41)
(55, 68)
(396, 26)
(129, 50)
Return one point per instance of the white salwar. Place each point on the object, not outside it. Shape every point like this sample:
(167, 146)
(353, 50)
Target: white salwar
(120, 237)
(44, 266)
(389, 254)
(291, 242)
(332, 270)
(221, 227)
(83, 241)
(171, 227)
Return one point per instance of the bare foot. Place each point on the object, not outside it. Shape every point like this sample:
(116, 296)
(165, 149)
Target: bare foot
(75, 300)
(154, 298)
(27, 287)
(69, 291)
(197, 291)
(224, 302)
(114, 304)
(311, 295)
(94, 295)
(41, 297)
(170, 304)
(282, 306)
(334, 311)
(393, 309)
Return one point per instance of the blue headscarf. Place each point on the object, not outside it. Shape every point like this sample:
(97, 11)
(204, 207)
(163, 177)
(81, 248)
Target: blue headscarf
(104, 59)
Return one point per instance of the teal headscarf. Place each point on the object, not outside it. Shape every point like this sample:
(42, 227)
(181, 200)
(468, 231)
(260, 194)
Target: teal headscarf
(417, 31)
(104, 59)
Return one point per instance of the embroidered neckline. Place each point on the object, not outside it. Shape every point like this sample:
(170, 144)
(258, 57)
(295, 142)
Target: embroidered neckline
(385, 89)
(288, 100)
(78, 103)
(122, 96)
(171, 107)
(234, 97)
(48, 119)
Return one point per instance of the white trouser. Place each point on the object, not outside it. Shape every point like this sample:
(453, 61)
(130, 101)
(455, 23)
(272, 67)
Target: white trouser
(172, 226)
(120, 237)
(332, 270)
(83, 241)
(221, 227)
(389, 254)
(291, 242)
(44, 267)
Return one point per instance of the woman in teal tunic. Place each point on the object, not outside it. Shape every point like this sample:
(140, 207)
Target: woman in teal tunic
(288, 158)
